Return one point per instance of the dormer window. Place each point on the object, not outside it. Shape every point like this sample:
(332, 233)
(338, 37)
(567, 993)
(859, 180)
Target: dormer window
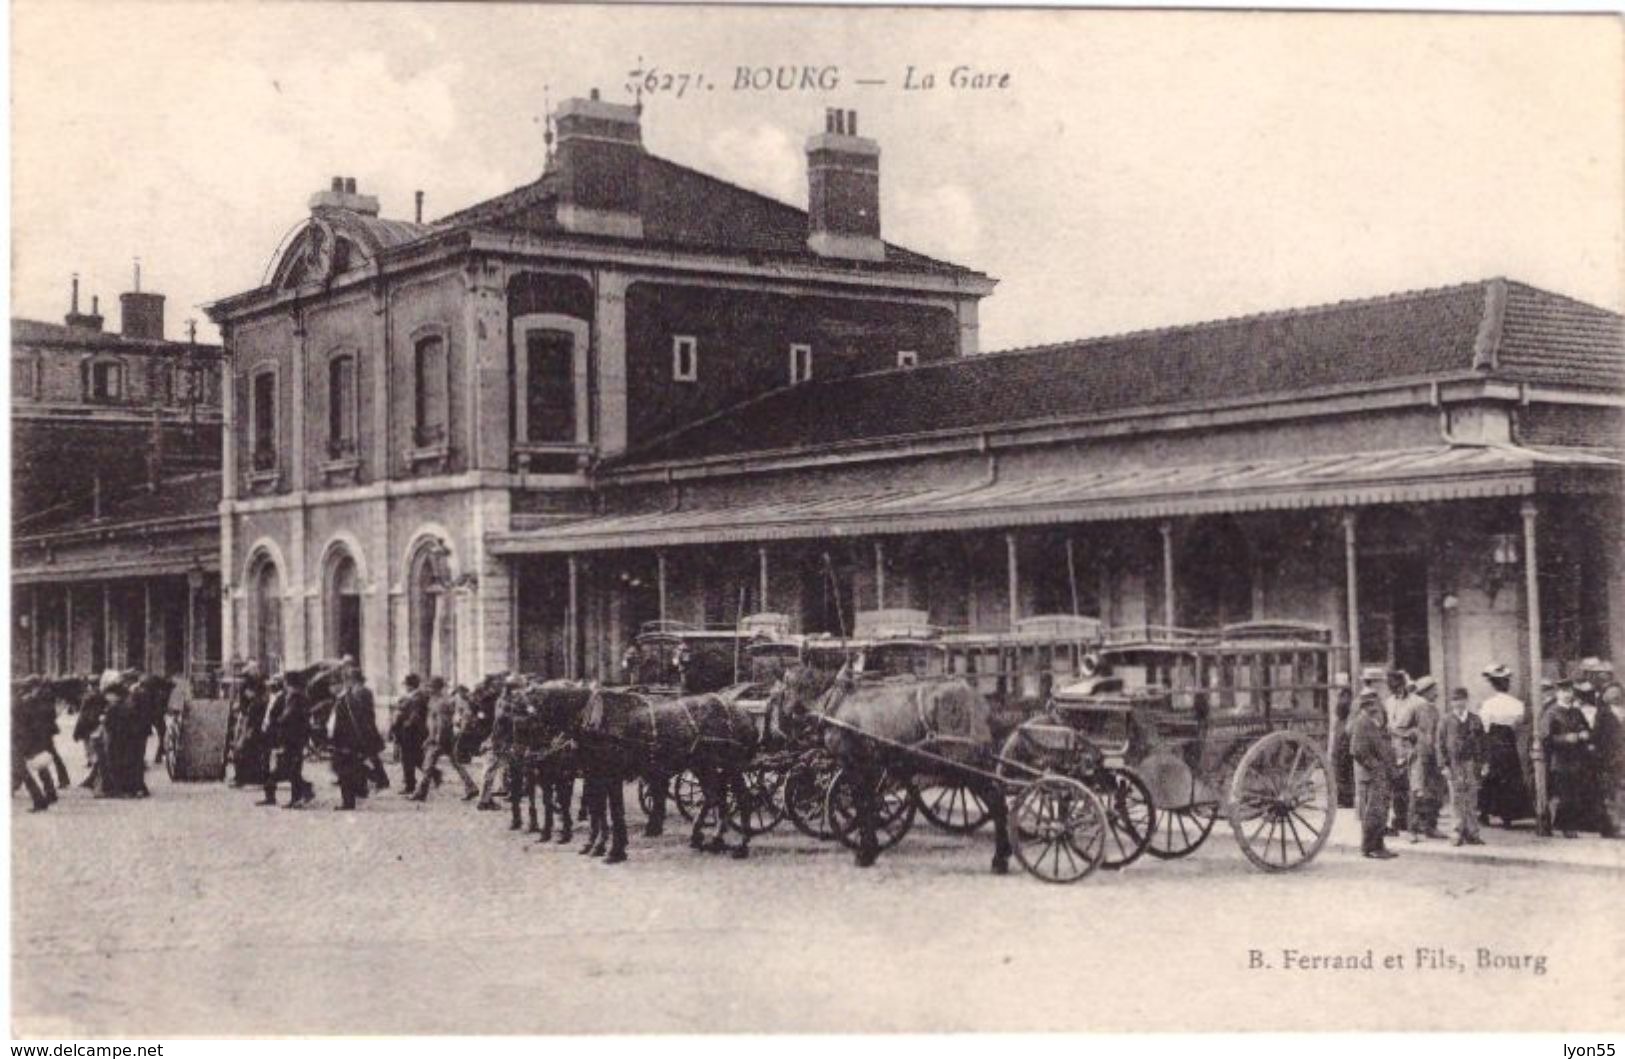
(685, 358)
(801, 362)
(907, 358)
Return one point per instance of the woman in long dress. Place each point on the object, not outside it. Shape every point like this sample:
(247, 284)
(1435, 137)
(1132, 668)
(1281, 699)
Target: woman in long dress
(1505, 791)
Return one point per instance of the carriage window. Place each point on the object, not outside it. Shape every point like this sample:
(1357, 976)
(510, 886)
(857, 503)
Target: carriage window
(105, 381)
(907, 358)
(685, 358)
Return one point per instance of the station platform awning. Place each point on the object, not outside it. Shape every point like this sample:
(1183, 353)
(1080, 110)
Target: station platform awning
(1442, 472)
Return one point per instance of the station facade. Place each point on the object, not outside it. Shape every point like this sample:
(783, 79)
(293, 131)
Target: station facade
(629, 391)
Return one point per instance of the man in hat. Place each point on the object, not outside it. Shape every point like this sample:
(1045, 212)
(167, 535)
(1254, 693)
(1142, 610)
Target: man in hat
(410, 731)
(374, 762)
(287, 732)
(1594, 812)
(1462, 749)
(1416, 730)
(1373, 754)
(1566, 738)
(355, 738)
(1396, 706)
(496, 765)
(1505, 791)
(441, 714)
(248, 745)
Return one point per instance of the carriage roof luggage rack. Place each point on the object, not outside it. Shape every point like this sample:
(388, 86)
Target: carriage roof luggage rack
(1295, 632)
(1157, 636)
(896, 623)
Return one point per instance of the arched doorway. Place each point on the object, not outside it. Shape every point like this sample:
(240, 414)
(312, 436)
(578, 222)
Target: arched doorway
(1215, 575)
(341, 595)
(431, 623)
(265, 614)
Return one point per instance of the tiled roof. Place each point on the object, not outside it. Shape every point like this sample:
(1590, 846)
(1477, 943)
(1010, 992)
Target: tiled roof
(1083, 493)
(183, 496)
(1496, 328)
(41, 333)
(686, 209)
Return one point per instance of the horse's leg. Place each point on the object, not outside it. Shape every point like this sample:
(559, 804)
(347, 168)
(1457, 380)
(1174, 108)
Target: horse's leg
(566, 785)
(532, 781)
(865, 781)
(617, 819)
(993, 795)
(657, 784)
(714, 800)
(590, 802)
(544, 776)
(741, 794)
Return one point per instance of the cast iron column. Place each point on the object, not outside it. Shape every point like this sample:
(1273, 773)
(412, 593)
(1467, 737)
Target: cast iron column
(1537, 753)
(1167, 530)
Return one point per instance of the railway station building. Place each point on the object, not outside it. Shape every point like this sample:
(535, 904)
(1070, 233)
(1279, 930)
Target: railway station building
(630, 390)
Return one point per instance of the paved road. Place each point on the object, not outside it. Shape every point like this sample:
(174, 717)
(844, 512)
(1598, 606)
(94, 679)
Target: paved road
(198, 913)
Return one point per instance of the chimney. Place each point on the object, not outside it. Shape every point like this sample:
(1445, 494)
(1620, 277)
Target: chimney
(598, 165)
(141, 315)
(91, 321)
(417, 212)
(342, 195)
(843, 191)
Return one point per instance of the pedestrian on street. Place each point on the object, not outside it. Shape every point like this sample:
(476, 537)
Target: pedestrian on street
(376, 773)
(1505, 791)
(33, 725)
(1463, 749)
(1397, 706)
(442, 713)
(1606, 745)
(354, 738)
(410, 731)
(1373, 773)
(1570, 761)
(1417, 728)
(1373, 753)
(287, 732)
(1342, 763)
(87, 729)
(248, 747)
(501, 743)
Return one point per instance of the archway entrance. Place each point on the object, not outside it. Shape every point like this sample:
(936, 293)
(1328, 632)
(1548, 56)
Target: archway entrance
(265, 615)
(342, 595)
(432, 626)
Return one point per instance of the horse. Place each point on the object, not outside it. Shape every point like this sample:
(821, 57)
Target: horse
(554, 708)
(625, 733)
(871, 724)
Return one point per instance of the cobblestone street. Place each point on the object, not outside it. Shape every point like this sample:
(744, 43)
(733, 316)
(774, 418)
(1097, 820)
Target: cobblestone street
(198, 913)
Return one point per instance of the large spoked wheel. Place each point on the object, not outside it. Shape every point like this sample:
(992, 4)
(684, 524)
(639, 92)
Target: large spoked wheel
(687, 795)
(765, 809)
(806, 789)
(953, 807)
(1282, 801)
(1181, 830)
(172, 742)
(1131, 819)
(896, 809)
(1058, 829)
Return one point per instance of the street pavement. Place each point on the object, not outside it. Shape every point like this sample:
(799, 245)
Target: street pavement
(196, 912)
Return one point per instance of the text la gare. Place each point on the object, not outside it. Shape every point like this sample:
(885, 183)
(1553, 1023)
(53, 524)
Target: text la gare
(959, 78)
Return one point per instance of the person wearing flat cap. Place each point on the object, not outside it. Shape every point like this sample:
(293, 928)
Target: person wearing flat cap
(1462, 750)
(1374, 767)
(1505, 790)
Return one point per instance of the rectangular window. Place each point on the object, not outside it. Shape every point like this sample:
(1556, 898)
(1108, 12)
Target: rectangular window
(907, 358)
(106, 381)
(800, 364)
(341, 402)
(685, 358)
(550, 397)
(263, 420)
(22, 379)
(432, 381)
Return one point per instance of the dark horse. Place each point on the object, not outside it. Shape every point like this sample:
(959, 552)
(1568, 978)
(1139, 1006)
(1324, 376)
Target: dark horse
(542, 739)
(874, 726)
(625, 733)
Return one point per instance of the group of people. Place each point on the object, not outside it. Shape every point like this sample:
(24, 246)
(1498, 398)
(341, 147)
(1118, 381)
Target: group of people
(1409, 758)
(118, 712)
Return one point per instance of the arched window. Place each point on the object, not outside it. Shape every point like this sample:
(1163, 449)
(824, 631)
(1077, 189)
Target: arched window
(265, 614)
(432, 631)
(341, 596)
(431, 386)
(342, 406)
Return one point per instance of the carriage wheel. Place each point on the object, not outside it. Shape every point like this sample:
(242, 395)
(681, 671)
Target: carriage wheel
(1282, 801)
(686, 793)
(1058, 829)
(953, 807)
(646, 799)
(1180, 831)
(1131, 818)
(896, 809)
(765, 810)
(806, 789)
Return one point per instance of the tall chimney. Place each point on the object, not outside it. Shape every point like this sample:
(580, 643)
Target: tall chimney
(417, 213)
(91, 321)
(843, 191)
(141, 314)
(598, 165)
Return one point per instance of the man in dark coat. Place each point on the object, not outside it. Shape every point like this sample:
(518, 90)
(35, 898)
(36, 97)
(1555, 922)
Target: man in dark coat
(410, 730)
(287, 730)
(1605, 751)
(248, 743)
(355, 739)
(1570, 760)
(444, 732)
(1462, 750)
(32, 729)
(87, 730)
(1374, 768)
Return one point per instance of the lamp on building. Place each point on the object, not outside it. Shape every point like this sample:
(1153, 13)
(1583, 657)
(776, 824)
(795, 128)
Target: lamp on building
(194, 576)
(1504, 558)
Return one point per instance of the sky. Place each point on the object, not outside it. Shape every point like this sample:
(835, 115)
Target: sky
(1138, 169)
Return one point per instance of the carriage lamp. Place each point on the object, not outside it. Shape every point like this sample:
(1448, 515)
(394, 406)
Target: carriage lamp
(1503, 562)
